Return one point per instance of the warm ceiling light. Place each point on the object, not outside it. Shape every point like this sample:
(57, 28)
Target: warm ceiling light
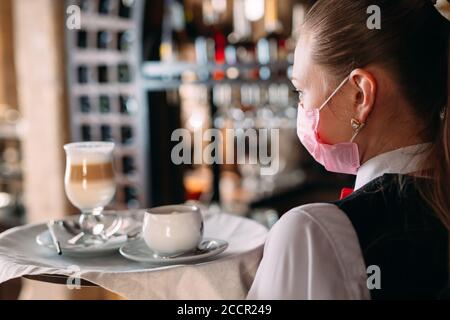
(254, 9)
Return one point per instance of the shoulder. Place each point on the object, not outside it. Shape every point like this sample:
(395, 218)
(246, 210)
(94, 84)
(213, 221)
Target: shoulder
(325, 218)
(312, 252)
(308, 256)
(323, 227)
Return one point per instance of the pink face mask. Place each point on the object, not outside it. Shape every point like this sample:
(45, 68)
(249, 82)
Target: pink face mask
(341, 157)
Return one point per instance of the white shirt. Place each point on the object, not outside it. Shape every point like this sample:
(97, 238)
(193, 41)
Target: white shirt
(313, 252)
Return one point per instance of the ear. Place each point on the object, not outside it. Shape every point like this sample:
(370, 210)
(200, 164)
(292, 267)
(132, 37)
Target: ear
(365, 87)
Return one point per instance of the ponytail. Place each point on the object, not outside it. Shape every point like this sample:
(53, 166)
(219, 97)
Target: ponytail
(437, 193)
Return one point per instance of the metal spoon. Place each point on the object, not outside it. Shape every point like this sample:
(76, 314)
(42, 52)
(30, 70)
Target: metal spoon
(51, 229)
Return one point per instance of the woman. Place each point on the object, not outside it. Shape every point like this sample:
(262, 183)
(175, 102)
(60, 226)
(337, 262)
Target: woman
(372, 102)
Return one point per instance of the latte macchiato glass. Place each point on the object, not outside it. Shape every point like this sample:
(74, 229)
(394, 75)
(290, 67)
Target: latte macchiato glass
(90, 185)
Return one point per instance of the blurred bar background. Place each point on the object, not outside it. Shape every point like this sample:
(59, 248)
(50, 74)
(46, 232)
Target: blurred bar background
(132, 73)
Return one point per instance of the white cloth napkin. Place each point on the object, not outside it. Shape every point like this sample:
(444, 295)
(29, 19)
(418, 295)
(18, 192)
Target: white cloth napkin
(227, 276)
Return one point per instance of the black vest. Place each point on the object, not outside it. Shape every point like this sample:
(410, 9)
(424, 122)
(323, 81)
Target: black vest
(399, 233)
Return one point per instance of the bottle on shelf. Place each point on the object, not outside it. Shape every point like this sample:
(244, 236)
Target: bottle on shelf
(299, 10)
(242, 28)
(173, 30)
(272, 23)
(241, 39)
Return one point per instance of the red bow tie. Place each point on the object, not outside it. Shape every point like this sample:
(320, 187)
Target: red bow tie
(345, 192)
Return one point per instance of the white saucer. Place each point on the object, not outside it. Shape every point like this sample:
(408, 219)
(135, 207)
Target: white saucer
(137, 250)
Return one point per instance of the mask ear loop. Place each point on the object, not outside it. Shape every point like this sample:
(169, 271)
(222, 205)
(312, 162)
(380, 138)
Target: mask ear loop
(334, 93)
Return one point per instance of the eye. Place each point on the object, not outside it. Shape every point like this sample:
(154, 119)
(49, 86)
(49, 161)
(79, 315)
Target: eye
(299, 93)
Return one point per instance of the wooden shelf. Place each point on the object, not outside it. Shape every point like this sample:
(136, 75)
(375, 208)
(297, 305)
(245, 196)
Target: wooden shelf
(152, 69)
(163, 75)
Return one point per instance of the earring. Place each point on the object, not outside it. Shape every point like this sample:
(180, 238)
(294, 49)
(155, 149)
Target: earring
(356, 126)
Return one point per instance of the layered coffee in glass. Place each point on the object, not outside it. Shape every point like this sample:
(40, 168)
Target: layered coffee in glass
(90, 186)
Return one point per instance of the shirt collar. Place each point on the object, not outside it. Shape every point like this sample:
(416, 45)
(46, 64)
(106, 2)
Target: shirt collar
(404, 160)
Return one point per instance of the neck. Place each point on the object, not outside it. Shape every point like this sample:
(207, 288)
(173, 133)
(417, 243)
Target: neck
(371, 143)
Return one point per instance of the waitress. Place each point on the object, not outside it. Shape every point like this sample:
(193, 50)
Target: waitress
(372, 103)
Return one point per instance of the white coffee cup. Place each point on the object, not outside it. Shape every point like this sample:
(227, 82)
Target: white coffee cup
(173, 229)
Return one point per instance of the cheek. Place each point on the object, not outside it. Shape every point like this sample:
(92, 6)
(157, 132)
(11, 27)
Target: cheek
(312, 101)
(333, 130)
(329, 128)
